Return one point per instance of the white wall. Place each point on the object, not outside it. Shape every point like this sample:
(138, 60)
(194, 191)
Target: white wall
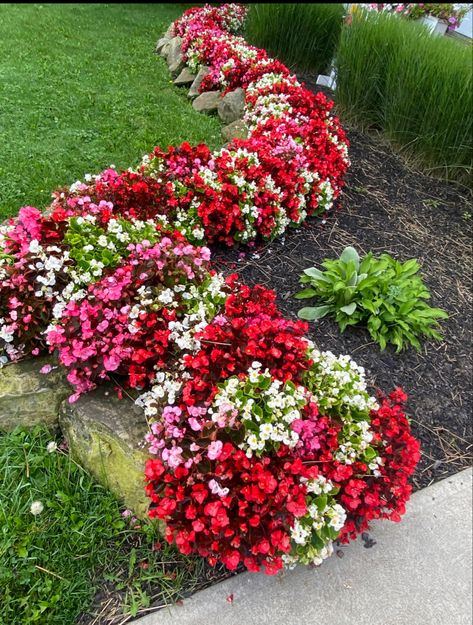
(466, 27)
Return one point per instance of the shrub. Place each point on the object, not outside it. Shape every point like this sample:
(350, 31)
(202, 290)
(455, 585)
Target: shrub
(304, 35)
(255, 470)
(417, 88)
(381, 292)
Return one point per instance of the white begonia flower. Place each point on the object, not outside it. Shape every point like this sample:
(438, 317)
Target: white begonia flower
(34, 246)
(51, 447)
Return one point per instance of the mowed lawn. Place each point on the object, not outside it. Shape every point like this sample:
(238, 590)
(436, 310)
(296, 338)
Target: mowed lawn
(81, 89)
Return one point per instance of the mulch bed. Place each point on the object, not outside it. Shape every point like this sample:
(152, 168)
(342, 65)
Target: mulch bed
(386, 207)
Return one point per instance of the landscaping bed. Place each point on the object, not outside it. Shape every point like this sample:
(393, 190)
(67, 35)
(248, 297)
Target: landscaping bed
(385, 207)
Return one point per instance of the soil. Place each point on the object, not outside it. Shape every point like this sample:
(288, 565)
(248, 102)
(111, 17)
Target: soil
(385, 207)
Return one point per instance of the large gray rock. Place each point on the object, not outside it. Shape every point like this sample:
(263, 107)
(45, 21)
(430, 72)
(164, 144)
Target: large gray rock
(174, 55)
(170, 31)
(232, 106)
(236, 130)
(161, 43)
(207, 102)
(186, 77)
(165, 49)
(202, 73)
(28, 397)
(106, 437)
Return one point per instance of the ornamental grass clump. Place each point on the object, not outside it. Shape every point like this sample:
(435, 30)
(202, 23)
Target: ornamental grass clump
(302, 35)
(417, 88)
(385, 295)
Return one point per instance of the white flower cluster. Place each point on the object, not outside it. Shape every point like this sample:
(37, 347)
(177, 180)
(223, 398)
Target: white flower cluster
(340, 388)
(322, 512)
(266, 106)
(325, 195)
(163, 392)
(265, 406)
(357, 436)
(339, 384)
(204, 301)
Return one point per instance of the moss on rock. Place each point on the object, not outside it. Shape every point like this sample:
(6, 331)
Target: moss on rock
(106, 436)
(28, 397)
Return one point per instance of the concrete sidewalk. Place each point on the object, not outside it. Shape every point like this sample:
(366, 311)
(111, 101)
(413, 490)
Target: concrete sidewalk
(418, 573)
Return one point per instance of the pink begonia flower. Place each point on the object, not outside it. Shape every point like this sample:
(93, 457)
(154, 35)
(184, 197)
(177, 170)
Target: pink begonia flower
(173, 456)
(216, 489)
(111, 363)
(214, 450)
(220, 320)
(102, 326)
(195, 425)
(205, 253)
(46, 369)
(197, 411)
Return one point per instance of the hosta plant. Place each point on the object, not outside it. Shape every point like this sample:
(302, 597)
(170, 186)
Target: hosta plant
(380, 292)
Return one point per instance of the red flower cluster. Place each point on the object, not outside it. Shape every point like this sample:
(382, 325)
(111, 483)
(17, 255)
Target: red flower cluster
(250, 328)
(248, 525)
(384, 497)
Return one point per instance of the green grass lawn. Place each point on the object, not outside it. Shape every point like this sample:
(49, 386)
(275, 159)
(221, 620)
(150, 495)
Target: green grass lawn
(81, 89)
(52, 563)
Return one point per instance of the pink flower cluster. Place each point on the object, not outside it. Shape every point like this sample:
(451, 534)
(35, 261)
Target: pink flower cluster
(123, 324)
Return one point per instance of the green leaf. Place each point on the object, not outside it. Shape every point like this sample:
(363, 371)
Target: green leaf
(350, 309)
(306, 293)
(312, 272)
(313, 313)
(350, 254)
(321, 502)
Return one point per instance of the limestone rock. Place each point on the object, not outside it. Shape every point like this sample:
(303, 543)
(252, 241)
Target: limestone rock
(202, 73)
(174, 55)
(161, 44)
(236, 130)
(105, 435)
(165, 49)
(28, 397)
(186, 77)
(207, 102)
(170, 31)
(232, 106)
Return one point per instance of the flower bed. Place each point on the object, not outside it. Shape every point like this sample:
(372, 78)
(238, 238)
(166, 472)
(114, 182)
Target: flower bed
(266, 449)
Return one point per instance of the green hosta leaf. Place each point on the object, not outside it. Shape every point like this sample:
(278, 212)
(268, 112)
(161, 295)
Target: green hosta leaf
(410, 267)
(313, 313)
(350, 309)
(306, 293)
(312, 272)
(350, 254)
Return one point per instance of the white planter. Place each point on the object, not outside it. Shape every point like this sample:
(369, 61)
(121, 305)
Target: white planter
(434, 24)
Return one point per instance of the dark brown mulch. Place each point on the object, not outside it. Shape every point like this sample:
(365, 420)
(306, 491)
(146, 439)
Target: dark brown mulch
(386, 207)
